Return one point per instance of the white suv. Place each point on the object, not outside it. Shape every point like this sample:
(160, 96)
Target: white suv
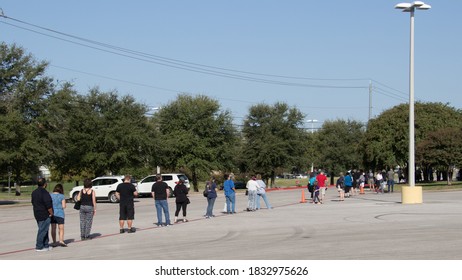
(104, 187)
(145, 185)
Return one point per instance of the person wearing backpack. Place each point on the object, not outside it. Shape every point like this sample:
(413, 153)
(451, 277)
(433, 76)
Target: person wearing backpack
(311, 186)
(348, 184)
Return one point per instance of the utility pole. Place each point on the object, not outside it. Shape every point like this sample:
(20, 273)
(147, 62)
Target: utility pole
(370, 101)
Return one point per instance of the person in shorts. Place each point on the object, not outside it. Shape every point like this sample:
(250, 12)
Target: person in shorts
(126, 192)
(57, 220)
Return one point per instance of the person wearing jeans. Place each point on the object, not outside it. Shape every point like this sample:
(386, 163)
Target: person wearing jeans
(211, 197)
(43, 211)
(230, 194)
(252, 187)
(390, 180)
(261, 192)
(160, 193)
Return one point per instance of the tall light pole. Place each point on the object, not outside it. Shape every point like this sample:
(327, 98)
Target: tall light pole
(411, 7)
(312, 131)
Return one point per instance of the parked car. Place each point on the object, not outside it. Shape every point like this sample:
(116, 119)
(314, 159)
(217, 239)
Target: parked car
(104, 187)
(240, 185)
(145, 185)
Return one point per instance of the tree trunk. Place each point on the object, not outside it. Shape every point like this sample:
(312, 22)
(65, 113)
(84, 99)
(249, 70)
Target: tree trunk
(449, 178)
(194, 181)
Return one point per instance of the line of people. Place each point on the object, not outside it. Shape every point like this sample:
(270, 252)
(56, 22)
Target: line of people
(49, 208)
(350, 183)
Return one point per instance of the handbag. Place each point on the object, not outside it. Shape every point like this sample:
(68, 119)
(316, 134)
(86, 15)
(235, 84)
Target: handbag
(206, 191)
(187, 200)
(77, 205)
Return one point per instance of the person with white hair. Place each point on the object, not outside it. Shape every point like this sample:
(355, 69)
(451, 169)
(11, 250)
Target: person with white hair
(252, 187)
(261, 192)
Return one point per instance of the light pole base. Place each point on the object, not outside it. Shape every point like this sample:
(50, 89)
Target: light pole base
(411, 195)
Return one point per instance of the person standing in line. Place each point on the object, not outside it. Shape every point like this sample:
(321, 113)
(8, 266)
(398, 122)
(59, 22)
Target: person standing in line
(379, 180)
(261, 192)
(362, 180)
(211, 197)
(311, 184)
(160, 192)
(322, 184)
(252, 187)
(125, 193)
(230, 194)
(87, 200)
(59, 204)
(371, 181)
(348, 181)
(341, 186)
(181, 199)
(390, 180)
(43, 211)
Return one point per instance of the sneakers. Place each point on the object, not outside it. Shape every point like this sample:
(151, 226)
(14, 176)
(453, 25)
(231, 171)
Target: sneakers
(122, 230)
(131, 230)
(44, 249)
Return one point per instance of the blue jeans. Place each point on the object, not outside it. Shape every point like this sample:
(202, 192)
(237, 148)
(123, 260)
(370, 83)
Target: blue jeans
(265, 199)
(162, 205)
(42, 234)
(210, 203)
(231, 203)
(391, 183)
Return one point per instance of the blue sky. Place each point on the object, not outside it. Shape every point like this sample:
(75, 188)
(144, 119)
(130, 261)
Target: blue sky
(329, 49)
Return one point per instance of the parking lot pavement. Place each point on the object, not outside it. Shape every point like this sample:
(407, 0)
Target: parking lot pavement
(369, 226)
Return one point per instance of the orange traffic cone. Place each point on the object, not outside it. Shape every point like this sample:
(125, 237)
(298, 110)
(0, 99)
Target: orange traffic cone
(303, 197)
(361, 189)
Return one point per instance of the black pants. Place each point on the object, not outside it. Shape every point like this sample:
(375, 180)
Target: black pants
(180, 205)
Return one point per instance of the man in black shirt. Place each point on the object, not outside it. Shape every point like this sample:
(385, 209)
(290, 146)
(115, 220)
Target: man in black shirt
(43, 211)
(126, 193)
(160, 193)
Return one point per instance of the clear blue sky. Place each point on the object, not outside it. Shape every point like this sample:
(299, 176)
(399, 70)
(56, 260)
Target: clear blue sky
(335, 46)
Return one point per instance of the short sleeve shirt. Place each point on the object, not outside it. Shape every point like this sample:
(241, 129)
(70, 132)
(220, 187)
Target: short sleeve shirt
(160, 190)
(126, 191)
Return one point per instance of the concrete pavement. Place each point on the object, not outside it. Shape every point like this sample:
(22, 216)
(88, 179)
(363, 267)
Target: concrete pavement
(364, 227)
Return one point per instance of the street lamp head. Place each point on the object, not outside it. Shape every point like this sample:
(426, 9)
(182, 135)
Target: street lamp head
(408, 7)
(424, 7)
(418, 3)
(403, 6)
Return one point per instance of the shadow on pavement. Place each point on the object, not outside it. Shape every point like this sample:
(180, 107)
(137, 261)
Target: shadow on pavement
(8, 202)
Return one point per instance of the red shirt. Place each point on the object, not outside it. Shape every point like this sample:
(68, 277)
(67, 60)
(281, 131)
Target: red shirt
(321, 178)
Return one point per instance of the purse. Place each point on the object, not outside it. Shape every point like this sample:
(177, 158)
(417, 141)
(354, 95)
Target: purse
(78, 203)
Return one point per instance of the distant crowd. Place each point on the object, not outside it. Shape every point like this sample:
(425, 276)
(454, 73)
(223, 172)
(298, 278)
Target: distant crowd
(351, 183)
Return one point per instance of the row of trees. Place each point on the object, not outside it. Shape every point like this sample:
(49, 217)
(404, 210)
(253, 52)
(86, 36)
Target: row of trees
(101, 132)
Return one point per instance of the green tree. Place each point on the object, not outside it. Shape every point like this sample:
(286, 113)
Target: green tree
(273, 138)
(195, 137)
(23, 89)
(441, 149)
(111, 132)
(386, 141)
(339, 146)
